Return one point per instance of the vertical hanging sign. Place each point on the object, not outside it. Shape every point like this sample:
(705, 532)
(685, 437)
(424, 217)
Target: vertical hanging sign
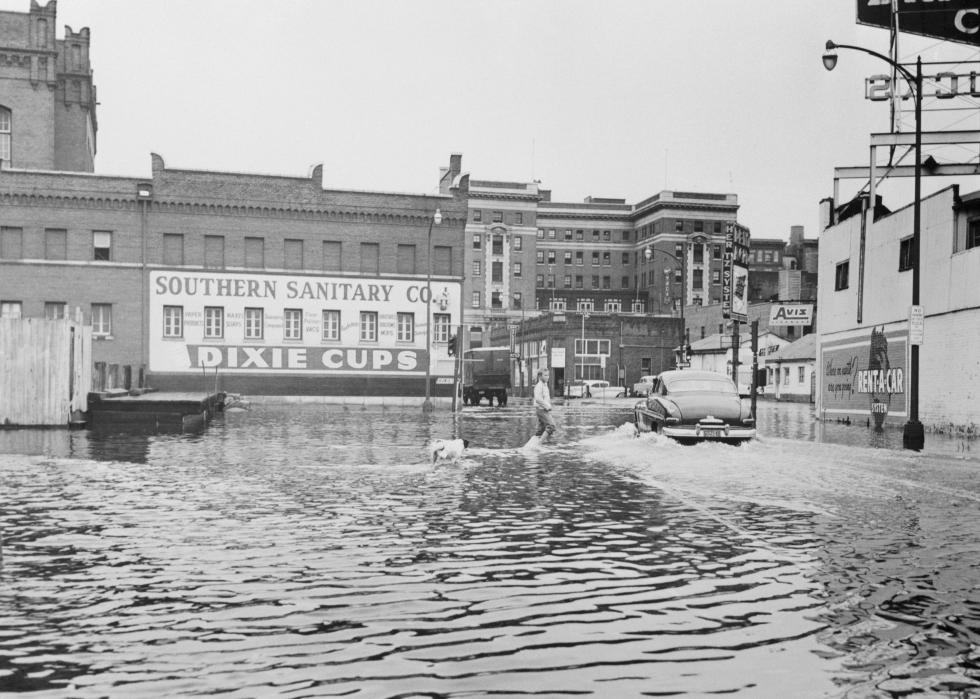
(735, 274)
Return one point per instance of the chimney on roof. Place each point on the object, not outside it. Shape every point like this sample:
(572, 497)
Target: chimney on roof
(447, 175)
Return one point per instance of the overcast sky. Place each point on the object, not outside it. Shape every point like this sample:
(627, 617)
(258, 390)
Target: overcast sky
(607, 98)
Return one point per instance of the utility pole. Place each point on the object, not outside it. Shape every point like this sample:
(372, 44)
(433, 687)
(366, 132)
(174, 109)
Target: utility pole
(755, 362)
(736, 344)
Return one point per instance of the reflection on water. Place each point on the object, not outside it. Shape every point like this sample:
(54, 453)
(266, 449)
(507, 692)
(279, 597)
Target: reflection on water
(309, 550)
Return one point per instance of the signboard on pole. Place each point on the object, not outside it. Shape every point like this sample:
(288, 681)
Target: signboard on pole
(952, 20)
(917, 325)
(735, 274)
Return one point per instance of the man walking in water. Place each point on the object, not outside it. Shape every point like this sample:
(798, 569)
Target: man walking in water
(542, 406)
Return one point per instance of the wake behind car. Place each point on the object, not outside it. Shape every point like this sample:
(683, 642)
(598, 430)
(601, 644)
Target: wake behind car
(696, 406)
(593, 388)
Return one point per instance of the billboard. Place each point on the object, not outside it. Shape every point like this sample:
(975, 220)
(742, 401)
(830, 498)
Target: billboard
(735, 274)
(791, 314)
(952, 20)
(866, 375)
(246, 323)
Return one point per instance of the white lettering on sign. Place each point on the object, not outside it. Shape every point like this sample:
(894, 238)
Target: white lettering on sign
(795, 314)
(309, 358)
(879, 88)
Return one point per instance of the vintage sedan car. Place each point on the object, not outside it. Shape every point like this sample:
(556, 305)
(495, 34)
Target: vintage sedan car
(696, 406)
(593, 388)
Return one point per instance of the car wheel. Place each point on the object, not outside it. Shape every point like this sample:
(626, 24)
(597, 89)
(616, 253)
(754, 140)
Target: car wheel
(621, 394)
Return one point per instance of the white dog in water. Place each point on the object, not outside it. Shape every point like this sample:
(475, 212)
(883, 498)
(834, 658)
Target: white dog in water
(448, 449)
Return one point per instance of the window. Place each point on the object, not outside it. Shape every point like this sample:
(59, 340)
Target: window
(497, 271)
(254, 325)
(477, 241)
(214, 251)
(10, 309)
(607, 258)
(607, 235)
(606, 282)
(292, 253)
(595, 235)
(716, 276)
(101, 245)
(698, 253)
(552, 257)
(332, 256)
(584, 305)
(626, 258)
(41, 39)
(518, 242)
(405, 327)
(517, 269)
(477, 217)
(369, 326)
(539, 257)
(557, 306)
(539, 281)
(477, 267)
(495, 300)
(613, 306)
(497, 243)
(551, 281)
(331, 325)
(840, 279)
(595, 257)
(173, 321)
(595, 281)
(567, 281)
(5, 132)
(101, 319)
(716, 252)
(519, 218)
(55, 310)
(566, 257)
(697, 281)
(11, 243)
(801, 375)
(214, 321)
(173, 249)
(579, 236)
(442, 260)
(679, 250)
(551, 234)
(292, 324)
(905, 255)
(786, 376)
(579, 258)
(475, 302)
(568, 234)
(370, 258)
(767, 256)
(541, 234)
(679, 226)
(55, 244)
(254, 252)
(973, 234)
(498, 217)
(625, 282)
(440, 326)
(626, 236)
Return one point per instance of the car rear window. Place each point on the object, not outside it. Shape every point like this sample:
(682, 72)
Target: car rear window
(696, 385)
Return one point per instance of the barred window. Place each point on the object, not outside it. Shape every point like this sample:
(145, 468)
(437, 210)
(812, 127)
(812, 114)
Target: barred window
(254, 325)
(406, 327)
(292, 324)
(369, 326)
(214, 321)
(173, 321)
(331, 325)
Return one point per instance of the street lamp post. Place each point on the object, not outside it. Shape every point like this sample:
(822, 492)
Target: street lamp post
(427, 403)
(519, 299)
(913, 434)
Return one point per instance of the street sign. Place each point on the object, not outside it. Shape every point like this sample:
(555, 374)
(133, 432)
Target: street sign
(953, 20)
(917, 323)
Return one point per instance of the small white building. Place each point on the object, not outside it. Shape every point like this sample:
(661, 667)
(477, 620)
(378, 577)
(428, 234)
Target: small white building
(714, 353)
(791, 371)
(863, 301)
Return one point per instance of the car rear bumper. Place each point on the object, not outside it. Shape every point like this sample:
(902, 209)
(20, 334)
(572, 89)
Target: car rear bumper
(710, 433)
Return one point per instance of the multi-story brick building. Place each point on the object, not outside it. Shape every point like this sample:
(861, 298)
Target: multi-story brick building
(47, 99)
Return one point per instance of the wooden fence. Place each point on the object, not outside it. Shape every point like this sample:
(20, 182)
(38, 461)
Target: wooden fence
(45, 370)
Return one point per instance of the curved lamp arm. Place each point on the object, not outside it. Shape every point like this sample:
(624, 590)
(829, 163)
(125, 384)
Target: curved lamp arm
(830, 60)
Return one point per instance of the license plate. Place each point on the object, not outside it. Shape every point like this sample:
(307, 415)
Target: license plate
(708, 432)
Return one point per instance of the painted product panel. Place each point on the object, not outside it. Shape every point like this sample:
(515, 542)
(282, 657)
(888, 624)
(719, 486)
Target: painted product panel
(291, 324)
(866, 375)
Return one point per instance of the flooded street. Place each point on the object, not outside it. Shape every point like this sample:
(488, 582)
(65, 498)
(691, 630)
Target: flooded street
(308, 550)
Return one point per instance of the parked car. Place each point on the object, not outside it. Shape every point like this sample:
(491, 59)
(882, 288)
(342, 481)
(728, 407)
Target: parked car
(644, 385)
(593, 388)
(696, 406)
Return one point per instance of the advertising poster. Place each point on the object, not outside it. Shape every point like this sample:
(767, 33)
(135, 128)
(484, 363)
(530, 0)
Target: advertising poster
(284, 324)
(866, 376)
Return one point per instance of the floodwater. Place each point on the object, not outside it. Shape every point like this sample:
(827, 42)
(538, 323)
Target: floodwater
(304, 550)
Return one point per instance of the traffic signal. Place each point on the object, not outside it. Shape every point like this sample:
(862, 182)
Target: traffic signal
(688, 352)
(451, 346)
